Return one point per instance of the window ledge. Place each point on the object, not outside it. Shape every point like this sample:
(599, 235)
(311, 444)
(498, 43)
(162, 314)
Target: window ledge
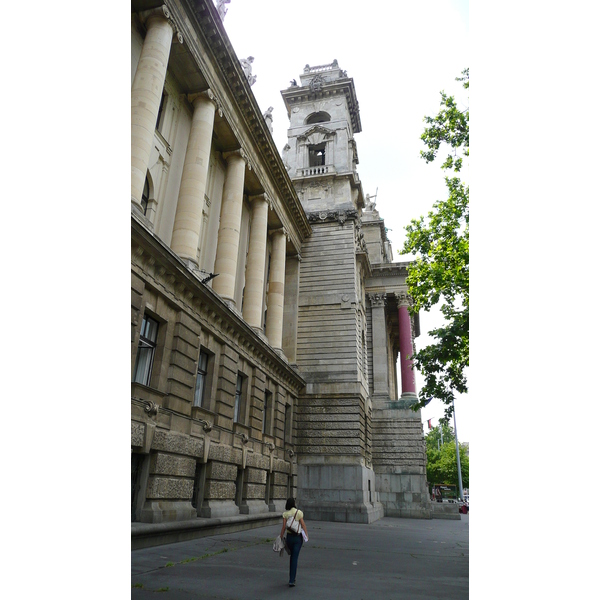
(143, 392)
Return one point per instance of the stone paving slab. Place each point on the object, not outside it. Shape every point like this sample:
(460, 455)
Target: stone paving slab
(387, 560)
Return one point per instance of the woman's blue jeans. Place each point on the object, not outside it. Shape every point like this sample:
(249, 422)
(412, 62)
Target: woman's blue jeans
(294, 542)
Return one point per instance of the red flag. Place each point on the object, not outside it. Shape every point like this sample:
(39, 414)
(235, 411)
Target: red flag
(429, 423)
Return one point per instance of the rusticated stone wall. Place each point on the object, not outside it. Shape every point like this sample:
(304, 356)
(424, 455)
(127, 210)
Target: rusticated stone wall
(400, 462)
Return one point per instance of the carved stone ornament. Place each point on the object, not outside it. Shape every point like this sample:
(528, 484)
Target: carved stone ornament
(403, 299)
(377, 299)
(316, 83)
(316, 134)
(150, 407)
(341, 216)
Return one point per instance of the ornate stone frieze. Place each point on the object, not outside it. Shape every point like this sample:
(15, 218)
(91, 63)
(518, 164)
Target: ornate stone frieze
(341, 216)
(316, 83)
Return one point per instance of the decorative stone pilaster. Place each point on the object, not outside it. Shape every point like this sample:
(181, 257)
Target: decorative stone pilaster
(146, 93)
(229, 228)
(379, 345)
(255, 266)
(406, 346)
(188, 217)
(274, 329)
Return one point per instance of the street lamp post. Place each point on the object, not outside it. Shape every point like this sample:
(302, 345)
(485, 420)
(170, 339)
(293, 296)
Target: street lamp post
(460, 487)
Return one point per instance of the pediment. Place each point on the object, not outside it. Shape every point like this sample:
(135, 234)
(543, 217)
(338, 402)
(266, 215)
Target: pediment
(316, 134)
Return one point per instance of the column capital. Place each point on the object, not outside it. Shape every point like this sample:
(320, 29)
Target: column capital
(239, 153)
(206, 95)
(264, 197)
(403, 299)
(162, 13)
(280, 231)
(377, 299)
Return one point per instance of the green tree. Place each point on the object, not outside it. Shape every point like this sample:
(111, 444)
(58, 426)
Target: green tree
(440, 272)
(442, 432)
(441, 464)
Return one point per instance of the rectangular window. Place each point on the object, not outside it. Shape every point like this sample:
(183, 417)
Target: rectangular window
(238, 398)
(287, 423)
(316, 155)
(201, 379)
(145, 353)
(199, 485)
(266, 410)
(159, 120)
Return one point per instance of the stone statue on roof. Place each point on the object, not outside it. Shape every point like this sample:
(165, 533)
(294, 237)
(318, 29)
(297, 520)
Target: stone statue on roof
(247, 68)
(268, 117)
(221, 8)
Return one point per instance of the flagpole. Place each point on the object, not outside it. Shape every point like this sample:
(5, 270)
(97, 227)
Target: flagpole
(460, 487)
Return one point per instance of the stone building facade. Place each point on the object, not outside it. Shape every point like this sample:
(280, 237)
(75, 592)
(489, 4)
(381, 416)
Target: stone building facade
(267, 314)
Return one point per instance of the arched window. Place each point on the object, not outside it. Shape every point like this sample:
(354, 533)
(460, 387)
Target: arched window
(145, 195)
(318, 117)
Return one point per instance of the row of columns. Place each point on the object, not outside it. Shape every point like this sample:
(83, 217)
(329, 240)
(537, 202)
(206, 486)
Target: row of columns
(146, 94)
(380, 375)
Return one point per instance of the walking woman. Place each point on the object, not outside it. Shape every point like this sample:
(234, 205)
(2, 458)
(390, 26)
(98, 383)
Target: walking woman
(294, 539)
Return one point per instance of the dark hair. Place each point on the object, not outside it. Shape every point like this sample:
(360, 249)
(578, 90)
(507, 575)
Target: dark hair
(291, 503)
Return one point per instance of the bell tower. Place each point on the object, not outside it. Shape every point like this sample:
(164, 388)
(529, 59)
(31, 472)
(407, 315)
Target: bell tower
(321, 155)
(336, 480)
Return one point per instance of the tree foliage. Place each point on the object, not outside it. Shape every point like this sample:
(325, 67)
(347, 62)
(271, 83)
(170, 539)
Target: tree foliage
(441, 433)
(440, 272)
(441, 464)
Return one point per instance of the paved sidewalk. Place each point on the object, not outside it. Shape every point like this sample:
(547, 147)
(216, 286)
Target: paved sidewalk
(390, 559)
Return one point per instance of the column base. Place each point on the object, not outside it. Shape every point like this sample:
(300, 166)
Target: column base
(213, 509)
(254, 507)
(167, 511)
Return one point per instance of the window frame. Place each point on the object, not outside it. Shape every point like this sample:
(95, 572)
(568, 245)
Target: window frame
(146, 343)
(237, 403)
(200, 394)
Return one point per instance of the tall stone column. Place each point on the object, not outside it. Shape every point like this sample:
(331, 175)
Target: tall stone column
(379, 344)
(229, 228)
(146, 93)
(255, 266)
(188, 217)
(406, 347)
(274, 330)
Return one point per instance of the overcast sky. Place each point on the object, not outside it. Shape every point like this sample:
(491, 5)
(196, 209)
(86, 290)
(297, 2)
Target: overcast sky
(400, 55)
